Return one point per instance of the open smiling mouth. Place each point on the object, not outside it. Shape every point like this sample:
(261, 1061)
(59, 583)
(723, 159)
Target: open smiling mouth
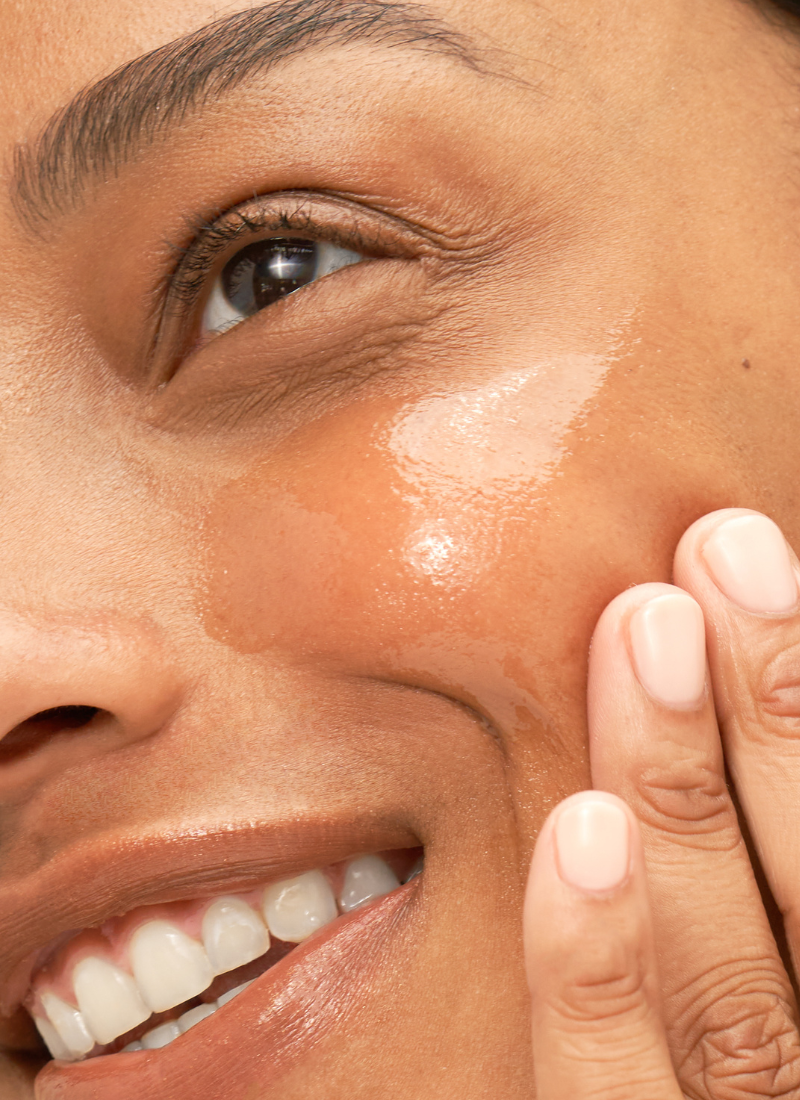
(141, 981)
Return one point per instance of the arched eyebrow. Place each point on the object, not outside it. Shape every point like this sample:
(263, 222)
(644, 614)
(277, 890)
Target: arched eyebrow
(107, 123)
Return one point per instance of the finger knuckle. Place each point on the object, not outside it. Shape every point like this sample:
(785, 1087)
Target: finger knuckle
(743, 1046)
(776, 696)
(688, 800)
(607, 988)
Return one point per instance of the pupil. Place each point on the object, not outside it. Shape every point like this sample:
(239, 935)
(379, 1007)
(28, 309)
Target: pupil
(267, 270)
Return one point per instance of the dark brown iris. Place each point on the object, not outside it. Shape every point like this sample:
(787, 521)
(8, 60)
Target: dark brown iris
(267, 270)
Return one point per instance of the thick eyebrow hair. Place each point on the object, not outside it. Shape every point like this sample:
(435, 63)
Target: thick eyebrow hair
(108, 122)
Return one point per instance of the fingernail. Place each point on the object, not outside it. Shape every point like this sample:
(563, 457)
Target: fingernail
(749, 560)
(668, 641)
(593, 845)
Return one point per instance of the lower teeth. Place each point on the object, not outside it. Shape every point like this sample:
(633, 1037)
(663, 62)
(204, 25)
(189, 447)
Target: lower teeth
(164, 1034)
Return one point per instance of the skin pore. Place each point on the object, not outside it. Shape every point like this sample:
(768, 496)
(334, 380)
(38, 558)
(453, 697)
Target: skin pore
(330, 577)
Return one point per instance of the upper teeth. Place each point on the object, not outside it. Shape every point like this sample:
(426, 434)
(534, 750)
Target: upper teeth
(299, 906)
(169, 966)
(233, 934)
(70, 1024)
(109, 1000)
(366, 878)
(165, 966)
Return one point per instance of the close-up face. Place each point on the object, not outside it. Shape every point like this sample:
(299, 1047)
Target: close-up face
(353, 356)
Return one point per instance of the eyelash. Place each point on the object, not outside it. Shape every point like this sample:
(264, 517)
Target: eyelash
(214, 239)
(178, 301)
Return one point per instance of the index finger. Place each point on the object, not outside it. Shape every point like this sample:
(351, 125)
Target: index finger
(590, 956)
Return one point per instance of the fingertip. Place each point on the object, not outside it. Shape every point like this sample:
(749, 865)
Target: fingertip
(654, 634)
(743, 556)
(590, 953)
(688, 553)
(589, 844)
(592, 845)
(612, 624)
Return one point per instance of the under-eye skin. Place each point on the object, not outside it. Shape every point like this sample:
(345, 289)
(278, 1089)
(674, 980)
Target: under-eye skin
(265, 271)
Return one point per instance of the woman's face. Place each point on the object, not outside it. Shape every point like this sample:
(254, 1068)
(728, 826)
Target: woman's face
(329, 575)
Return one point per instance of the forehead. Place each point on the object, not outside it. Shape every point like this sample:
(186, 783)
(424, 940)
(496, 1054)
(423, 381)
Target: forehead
(570, 54)
(58, 48)
(51, 50)
(51, 44)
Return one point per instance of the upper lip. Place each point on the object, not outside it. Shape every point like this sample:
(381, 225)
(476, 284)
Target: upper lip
(87, 884)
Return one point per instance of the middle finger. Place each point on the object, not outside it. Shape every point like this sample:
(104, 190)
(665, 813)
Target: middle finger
(738, 565)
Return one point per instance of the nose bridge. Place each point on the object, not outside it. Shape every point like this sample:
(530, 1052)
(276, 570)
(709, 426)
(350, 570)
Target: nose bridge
(86, 557)
(94, 562)
(86, 520)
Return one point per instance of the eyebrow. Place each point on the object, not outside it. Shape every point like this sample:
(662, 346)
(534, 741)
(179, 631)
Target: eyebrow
(108, 122)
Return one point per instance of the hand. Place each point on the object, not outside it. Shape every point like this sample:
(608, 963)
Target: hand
(654, 971)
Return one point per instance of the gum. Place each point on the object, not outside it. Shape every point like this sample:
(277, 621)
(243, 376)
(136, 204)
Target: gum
(112, 939)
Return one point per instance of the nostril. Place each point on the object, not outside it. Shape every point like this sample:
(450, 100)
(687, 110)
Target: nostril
(64, 717)
(31, 734)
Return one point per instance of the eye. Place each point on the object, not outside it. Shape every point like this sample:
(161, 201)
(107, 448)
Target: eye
(267, 270)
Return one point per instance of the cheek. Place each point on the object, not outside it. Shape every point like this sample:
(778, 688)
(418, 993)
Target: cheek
(420, 545)
(337, 561)
(465, 542)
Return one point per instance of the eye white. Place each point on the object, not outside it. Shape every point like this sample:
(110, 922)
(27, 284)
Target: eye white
(220, 313)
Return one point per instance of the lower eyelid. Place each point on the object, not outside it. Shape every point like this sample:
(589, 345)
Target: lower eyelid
(349, 332)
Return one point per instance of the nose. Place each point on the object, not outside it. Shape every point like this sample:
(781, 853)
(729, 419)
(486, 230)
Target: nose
(65, 675)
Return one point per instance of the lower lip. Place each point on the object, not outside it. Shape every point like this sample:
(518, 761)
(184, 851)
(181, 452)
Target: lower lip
(258, 1037)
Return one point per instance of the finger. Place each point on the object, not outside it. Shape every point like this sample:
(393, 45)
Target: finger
(654, 741)
(590, 959)
(740, 569)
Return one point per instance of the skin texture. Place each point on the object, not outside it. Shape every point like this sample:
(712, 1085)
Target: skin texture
(333, 600)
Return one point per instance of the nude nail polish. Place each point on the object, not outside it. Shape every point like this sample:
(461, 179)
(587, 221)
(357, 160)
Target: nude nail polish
(669, 649)
(592, 839)
(749, 560)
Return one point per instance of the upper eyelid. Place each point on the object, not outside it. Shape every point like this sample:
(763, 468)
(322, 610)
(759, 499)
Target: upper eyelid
(211, 241)
(212, 238)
